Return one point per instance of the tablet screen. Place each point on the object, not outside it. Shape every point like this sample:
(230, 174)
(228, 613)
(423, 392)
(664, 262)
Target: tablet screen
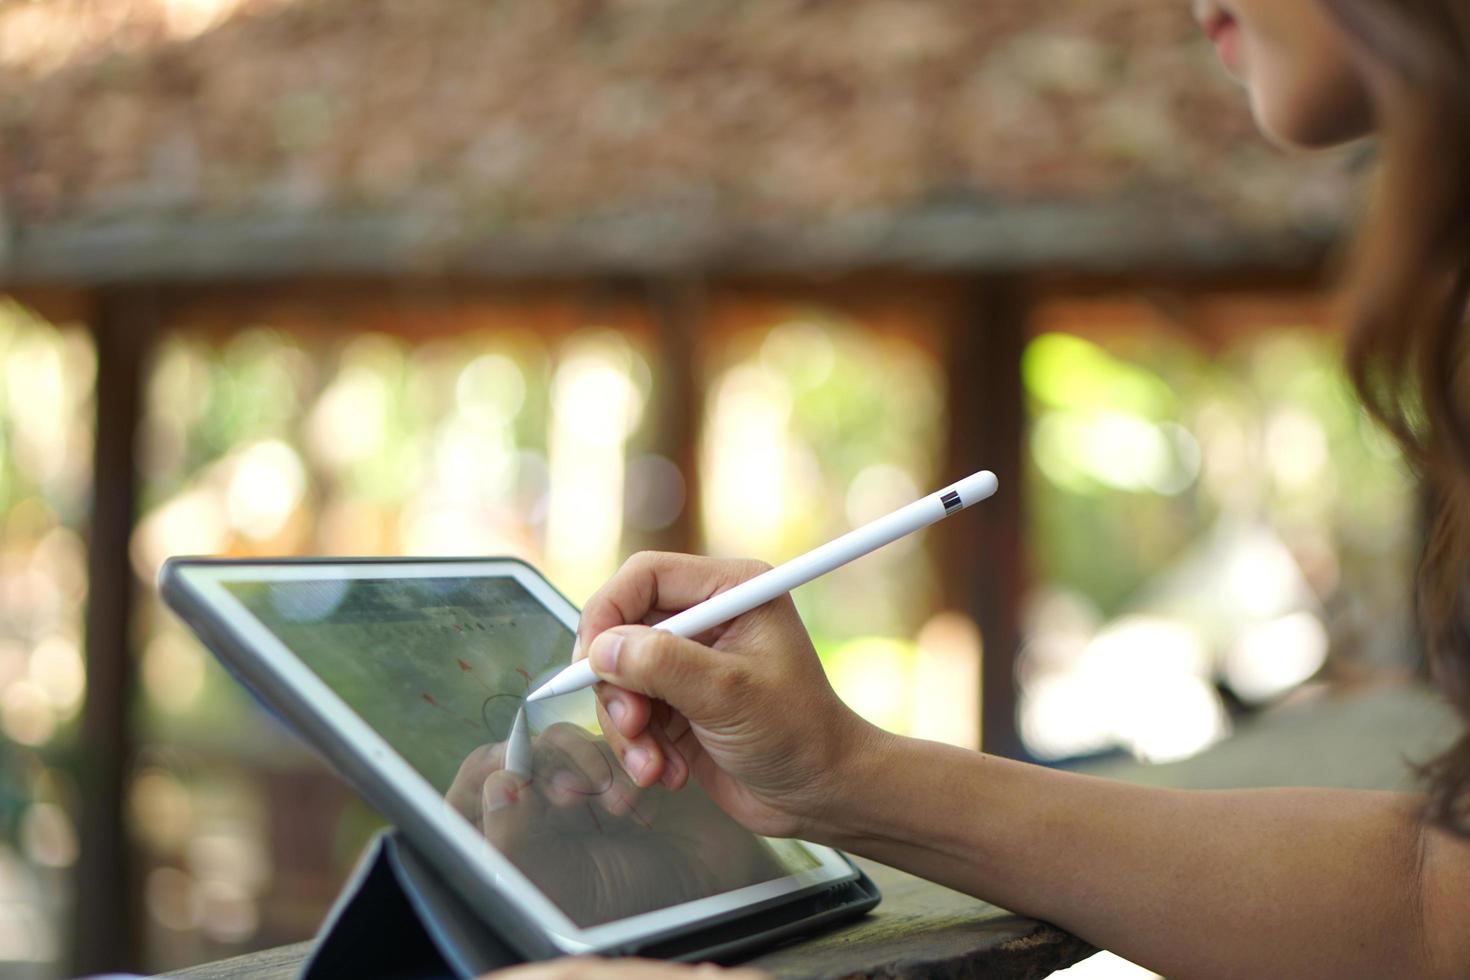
(439, 667)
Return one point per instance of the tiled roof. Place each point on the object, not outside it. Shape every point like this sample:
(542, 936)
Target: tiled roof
(507, 115)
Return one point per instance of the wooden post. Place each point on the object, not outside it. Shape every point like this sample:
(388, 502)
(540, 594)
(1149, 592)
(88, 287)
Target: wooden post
(679, 314)
(107, 935)
(983, 569)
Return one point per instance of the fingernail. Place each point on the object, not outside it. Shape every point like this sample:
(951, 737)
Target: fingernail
(617, 710)
(497, 798)
(605, 650)
(576, 649)
(635, 760)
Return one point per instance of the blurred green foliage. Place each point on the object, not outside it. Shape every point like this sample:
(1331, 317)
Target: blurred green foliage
(1267, 429)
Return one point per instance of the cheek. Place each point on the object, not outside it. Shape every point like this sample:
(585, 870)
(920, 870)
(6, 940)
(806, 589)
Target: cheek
(1304, 88)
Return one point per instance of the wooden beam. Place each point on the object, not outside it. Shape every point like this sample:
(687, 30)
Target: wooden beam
(107, 935)
(679, 309)
(1101, 237)
(984, 568)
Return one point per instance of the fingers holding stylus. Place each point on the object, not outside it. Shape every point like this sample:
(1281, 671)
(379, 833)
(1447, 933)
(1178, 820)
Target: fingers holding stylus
(651, 753)
(689, 676)
(628, 712)
(676, 765)
(651, 584)
(630, 715)
(623, 714)
(640, 754)
(648, 589)
(711, 592)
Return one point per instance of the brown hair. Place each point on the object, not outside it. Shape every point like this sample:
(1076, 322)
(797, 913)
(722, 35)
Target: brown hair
(1408, 297)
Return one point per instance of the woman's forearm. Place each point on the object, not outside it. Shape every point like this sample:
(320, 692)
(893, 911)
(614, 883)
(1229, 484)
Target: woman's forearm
(1242, 884)
(1197, 884)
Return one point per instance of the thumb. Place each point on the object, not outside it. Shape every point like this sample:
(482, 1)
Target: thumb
(690, 676)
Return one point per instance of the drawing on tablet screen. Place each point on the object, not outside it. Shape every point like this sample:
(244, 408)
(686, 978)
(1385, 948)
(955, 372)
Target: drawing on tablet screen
(440, 669)
(520, 732)
(463, 652)
(496, 706)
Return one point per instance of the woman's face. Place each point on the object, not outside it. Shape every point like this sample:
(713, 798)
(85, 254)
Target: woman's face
(1297, 65)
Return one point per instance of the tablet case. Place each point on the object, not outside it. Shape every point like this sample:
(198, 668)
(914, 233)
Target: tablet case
(396, 919)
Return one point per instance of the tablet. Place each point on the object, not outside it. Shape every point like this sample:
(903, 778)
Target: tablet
(409, 676)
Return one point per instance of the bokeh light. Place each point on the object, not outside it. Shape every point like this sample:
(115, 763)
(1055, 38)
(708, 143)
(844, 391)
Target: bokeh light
(816, 425)
(1215, 510)
(597, 404)
(269, 442)
(1211, 526)
(46, 416)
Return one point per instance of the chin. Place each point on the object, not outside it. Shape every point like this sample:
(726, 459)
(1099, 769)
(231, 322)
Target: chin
(1296, 129)
(1311, 117)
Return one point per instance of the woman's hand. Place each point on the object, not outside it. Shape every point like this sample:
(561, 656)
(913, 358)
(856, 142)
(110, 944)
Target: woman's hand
(745, 708)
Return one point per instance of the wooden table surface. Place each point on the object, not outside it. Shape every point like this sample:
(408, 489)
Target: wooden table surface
(920, 930)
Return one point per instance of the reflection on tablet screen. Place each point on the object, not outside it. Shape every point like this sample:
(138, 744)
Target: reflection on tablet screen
(440, 667)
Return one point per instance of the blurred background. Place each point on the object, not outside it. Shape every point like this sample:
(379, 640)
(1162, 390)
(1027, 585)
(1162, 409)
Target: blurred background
(565, 280)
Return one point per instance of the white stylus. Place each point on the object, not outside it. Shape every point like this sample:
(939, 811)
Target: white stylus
(798, 571)
(518, 746)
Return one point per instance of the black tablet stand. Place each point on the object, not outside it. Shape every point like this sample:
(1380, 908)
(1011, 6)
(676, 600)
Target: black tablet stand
(396, 919)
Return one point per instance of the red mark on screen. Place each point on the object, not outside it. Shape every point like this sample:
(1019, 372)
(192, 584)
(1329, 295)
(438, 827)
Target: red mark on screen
(429, 700)
(465, 667)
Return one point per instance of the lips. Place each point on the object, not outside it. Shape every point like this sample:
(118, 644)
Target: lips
(1218, 25)
(1222, 29)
